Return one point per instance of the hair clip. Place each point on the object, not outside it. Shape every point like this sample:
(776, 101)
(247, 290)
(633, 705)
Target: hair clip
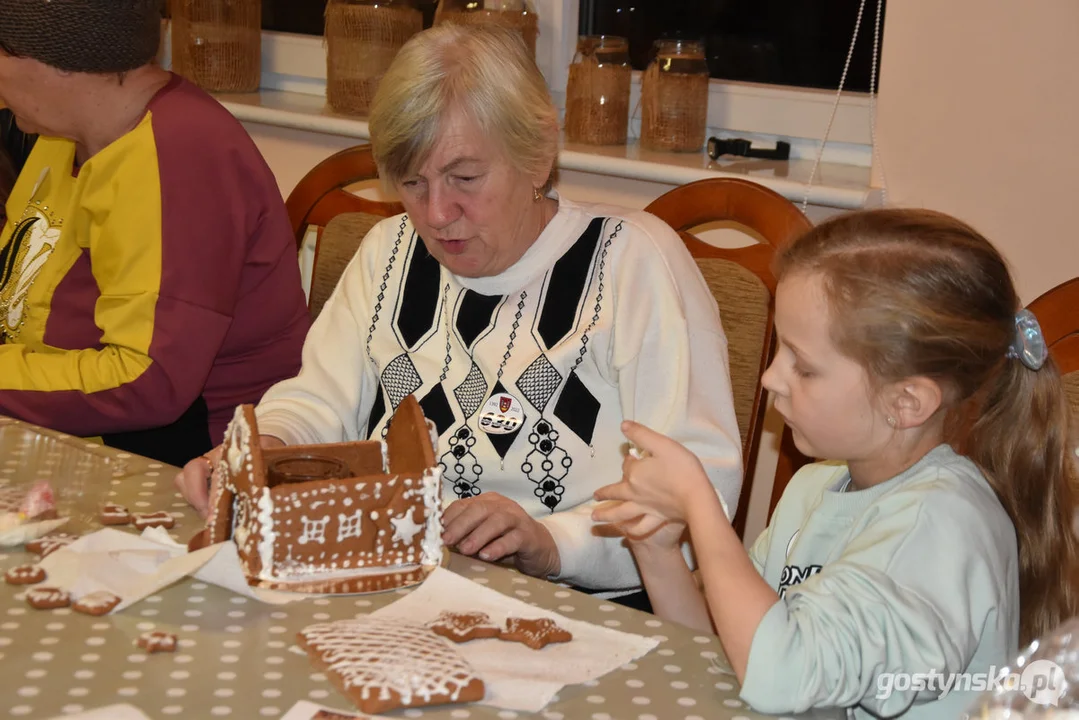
(1028, 345)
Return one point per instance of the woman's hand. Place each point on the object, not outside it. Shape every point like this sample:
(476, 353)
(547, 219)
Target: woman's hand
(193, 481)
(658, 485)
(492, 527)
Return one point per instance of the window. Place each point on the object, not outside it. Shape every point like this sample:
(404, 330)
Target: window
(294, 61)
(306, 16)
(783, 42)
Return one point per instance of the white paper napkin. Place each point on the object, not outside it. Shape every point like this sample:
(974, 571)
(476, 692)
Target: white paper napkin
(306, 710)
(517, 677)
(135, 566)
(112, 712)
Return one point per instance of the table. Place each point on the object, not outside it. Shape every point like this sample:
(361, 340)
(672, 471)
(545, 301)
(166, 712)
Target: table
(234, 658)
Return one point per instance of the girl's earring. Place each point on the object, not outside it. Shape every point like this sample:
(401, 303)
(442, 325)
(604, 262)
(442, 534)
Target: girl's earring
(536, 197)
(891, 421)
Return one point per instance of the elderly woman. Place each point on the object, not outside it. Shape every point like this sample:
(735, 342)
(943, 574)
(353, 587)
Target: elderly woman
(528, 326)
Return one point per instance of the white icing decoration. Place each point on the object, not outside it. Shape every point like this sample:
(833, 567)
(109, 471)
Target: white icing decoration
(382, 657)
(385, 457)
(239, 441)
(347, 501)
(374, 514)
(433, 431)
(267, 534)
(240, 535)
(97, 600)
(313, 530)
(432, 510)
(404, 527)
(348, 525)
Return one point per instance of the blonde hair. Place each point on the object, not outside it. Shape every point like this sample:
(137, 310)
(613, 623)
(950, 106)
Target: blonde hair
(919, 293)
(486, 72)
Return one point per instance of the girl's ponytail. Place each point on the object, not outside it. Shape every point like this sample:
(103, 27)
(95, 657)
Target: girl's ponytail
(1021, 440)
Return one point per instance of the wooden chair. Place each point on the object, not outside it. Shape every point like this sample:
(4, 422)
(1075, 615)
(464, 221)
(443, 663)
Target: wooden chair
(741, 280)
(1057, 311)
(321, 200)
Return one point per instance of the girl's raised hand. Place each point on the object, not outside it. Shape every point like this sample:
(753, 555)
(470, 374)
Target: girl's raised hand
(658, 485)
(640, 527)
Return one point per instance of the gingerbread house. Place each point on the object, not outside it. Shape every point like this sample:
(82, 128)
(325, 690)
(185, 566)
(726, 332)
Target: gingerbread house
(379, 528)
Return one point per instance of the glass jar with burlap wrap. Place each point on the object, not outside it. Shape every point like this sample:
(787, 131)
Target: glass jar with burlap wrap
(217, 44)
(519, 15)
(362, 39)
(597, 93)
(674, 97)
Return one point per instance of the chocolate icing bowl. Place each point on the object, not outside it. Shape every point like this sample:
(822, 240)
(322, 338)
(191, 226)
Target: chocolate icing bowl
(305, 468)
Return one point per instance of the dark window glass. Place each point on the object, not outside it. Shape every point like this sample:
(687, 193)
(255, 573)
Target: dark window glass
(298, 16)
(306, 16)
(785, 42)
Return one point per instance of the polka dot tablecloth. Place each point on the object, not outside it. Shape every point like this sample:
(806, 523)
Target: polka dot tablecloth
(237, 658)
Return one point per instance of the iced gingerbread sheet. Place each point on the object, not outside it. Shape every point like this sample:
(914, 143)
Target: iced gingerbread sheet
(386, 664)
(518, 677)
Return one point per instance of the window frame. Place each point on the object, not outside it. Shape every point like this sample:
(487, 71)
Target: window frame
(295, 63)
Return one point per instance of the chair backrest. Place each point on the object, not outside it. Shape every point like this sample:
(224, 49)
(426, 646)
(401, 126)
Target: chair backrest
(1057, 311)
(742, 282)
(336, 246)
(321, 197)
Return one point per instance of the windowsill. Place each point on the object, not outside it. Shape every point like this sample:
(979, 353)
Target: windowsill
(837, 185)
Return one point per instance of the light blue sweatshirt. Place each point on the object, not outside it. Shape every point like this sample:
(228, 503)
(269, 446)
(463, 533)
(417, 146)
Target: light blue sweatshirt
(916, 575)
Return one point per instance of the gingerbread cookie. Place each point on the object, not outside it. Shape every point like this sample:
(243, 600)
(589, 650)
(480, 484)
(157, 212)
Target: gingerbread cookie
(25, 575)
(383, 665)
(536, 634)
(331, 715)
(47, 598)
(113, 514)
(96, 603)
(157, 641)
(462, 627)
(47, 545)
(141, 521)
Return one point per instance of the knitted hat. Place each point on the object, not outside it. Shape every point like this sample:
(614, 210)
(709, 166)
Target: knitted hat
(93, 36)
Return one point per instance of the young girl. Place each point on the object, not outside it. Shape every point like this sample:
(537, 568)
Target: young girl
(941, 538)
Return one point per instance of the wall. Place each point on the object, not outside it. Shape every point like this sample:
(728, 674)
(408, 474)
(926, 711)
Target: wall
(979, 109)
(291, 153)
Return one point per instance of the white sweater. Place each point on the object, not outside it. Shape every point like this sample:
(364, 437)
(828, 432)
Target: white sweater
(604, 318)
